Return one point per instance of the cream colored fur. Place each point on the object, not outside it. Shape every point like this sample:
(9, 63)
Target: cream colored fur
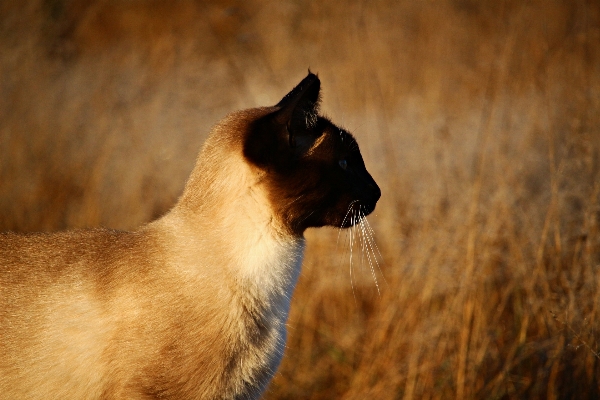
(193, 305)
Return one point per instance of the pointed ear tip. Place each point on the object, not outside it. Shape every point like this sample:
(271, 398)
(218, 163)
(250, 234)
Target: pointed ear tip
(313, 76)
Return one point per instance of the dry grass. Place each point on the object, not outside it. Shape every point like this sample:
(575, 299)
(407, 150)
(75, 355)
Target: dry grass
(480, 120)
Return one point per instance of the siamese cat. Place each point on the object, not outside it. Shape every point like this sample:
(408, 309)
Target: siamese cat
(194, 304)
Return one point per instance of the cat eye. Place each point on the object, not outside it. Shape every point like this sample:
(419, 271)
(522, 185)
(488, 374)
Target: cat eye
(343, 164)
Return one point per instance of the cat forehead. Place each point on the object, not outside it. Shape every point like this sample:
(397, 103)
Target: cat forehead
(347, 139)
(333, 140)
(343, 139)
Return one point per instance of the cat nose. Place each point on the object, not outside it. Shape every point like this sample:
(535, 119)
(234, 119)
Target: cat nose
(375, 191)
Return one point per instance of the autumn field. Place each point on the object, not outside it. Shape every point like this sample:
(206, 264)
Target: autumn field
(480, 120)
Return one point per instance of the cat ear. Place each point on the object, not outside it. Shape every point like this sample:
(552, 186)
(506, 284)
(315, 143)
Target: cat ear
(289, 130)
(299, 109)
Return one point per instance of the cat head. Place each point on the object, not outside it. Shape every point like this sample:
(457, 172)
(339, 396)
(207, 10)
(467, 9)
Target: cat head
(314, 172)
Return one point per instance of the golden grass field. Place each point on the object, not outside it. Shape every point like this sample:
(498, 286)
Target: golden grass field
(480, 120)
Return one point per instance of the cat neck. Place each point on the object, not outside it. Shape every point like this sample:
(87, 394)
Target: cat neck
(224, 222)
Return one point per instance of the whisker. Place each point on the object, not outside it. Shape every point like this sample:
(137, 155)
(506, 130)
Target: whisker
(345, 217)
(347, 246)
(294, 200)
(350, 234)
(361, 230)
(362, 245)
(351, 248)
(372, 233)
(368, 251)
(307, 216)
(374, 248)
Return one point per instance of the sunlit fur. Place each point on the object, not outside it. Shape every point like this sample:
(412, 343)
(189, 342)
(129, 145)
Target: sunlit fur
(191, 306)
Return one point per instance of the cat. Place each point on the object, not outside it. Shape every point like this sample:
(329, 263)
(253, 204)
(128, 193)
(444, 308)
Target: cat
(194, 304)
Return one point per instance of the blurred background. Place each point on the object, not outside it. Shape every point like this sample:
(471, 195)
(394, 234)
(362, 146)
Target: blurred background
(480, 120)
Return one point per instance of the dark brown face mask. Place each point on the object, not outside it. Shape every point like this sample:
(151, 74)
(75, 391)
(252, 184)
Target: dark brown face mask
(315, 170)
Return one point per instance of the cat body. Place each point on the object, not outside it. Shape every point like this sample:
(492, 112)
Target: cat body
(194, 304)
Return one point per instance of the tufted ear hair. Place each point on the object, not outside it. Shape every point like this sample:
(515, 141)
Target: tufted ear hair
(299, 109)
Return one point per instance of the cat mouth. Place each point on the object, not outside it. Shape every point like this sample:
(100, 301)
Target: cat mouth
(357, 210)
